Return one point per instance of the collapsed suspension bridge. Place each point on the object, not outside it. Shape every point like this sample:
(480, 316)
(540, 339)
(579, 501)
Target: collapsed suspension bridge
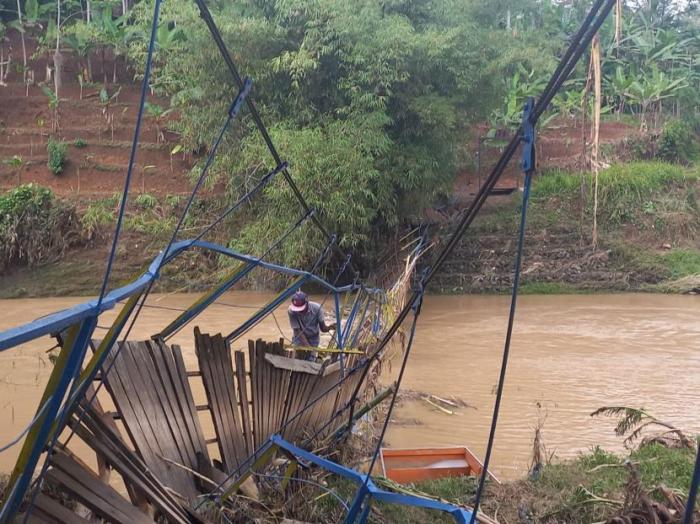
(263, 403)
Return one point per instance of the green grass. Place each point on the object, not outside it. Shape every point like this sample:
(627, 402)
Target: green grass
(682, 262)
(621, 183)
(671, 265)
(548, 288)
(562, 492)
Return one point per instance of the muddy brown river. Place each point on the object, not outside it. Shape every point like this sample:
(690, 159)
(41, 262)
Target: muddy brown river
(570, 355)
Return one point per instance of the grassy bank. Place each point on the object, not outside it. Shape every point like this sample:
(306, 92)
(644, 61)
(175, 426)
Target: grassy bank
(648, 238)
(594, 487)
(648, 235)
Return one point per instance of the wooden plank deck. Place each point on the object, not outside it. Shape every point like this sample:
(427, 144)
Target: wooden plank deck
(148, 384)
(89, 490)
(108, 445)
(216, 366)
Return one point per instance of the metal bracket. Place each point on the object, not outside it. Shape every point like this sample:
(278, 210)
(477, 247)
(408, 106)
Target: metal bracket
(240, 98)
(529, 137)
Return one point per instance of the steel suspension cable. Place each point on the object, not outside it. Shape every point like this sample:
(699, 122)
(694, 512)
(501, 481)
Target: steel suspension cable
(506, 348)
(118, 227)
(575, 50)
(416, 306)
(231, 115)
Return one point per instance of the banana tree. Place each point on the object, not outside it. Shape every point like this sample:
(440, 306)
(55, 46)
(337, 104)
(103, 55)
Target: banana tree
(116, 33)
(80, 38)
(650, 91)
(522, 84)
(4, 64)
(618, 85)
(158, 114)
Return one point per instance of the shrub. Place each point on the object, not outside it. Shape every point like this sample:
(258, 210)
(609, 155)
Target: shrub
(35, 226)
(146, 201)
(79, 143)
(56, 150)
(96, 216)
(678, 143)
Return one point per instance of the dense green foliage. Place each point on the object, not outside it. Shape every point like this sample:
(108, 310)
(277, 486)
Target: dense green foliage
(56, 151)
(678, 143)
(371, 102)
(34, 226)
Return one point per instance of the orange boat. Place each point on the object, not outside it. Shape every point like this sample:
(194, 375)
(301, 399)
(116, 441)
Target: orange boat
(407, 466)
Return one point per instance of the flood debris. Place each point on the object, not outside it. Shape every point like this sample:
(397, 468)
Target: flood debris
(639, 506)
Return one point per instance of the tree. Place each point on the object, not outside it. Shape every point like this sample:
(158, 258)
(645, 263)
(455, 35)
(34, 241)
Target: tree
(383, 89)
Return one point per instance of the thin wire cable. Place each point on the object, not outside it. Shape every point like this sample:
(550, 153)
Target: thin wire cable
(269, 250)
(262, 183)
(120, 218)
(416, 313)
(258, 317)
(506, 347)
(27, 428)
(132, 155)
(279, 328)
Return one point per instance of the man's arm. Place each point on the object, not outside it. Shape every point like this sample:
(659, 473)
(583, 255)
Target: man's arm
(300, 335)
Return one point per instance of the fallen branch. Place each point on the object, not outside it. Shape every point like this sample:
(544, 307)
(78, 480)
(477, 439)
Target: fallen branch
(437, 406)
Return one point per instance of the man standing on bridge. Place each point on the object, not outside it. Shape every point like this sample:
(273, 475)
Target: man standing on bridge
(307, 321)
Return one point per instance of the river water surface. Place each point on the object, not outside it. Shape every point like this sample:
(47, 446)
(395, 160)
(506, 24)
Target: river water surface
(570, 355)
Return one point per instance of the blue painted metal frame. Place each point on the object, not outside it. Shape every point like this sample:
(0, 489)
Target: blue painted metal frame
(75, 359)
(200, 306)
(339, 333)
(359, 511)
(257, 317)
(58, 321)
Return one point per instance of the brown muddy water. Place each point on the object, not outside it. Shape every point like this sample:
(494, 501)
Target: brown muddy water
(570, 355)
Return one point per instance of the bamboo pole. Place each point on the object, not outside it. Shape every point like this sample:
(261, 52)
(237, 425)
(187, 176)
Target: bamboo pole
(618, 23)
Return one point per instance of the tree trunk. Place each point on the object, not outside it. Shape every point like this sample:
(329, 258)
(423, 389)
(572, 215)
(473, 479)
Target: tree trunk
(114, 69)
(2, 65)
(618, 24)
(88, 11)
(57, 69)
(595, 141)
(57, 58)
(24, 45)
(508, 24)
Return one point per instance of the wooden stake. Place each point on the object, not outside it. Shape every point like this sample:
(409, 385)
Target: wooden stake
(595, 138)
